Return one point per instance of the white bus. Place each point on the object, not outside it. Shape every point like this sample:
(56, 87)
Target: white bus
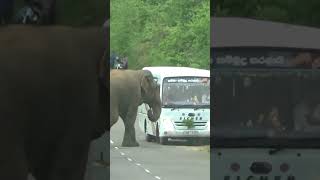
(185, 95)
(266, 117)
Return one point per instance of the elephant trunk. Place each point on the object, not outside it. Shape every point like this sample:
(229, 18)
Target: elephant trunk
(154, 112)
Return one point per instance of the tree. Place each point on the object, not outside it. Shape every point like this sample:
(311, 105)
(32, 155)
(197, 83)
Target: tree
(167, 32)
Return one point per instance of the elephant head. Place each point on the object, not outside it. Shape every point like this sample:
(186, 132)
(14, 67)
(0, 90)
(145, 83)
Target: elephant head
(150, 92)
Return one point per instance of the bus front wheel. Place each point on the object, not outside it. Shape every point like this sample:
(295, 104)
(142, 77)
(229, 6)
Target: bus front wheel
(160, 140)
(147, 136)
(163, 140)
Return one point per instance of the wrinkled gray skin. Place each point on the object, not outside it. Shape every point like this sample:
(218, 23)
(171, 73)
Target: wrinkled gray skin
(128, 90)
(52, 103)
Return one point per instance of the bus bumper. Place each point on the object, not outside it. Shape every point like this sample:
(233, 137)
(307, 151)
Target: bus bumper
(186, 133)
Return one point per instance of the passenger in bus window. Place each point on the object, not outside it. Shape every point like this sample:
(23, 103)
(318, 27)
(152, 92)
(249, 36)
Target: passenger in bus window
(174, 95)
(306, 115)
(269, 120)
(302, 60)
(260, 122)
(194, 100)
(274, 119)
(251, 106)
(205, 97)
(315, 117)
(270, 107)
(170, 96)
(306, 60)
(316, 63)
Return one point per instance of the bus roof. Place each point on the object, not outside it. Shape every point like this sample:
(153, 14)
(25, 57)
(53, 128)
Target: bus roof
(244, 32)
(168, 71)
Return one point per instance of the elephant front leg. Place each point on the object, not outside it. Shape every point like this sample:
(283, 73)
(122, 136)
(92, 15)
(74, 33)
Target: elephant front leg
(129, 138)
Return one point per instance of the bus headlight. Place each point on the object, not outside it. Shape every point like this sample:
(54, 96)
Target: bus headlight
(167, 125)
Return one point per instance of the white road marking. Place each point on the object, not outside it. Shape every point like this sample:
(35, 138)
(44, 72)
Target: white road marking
(131, 160)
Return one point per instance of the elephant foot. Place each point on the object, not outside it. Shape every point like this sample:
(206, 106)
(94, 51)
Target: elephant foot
(130, 144)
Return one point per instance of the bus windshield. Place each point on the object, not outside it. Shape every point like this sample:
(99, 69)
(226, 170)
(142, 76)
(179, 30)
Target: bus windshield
(186, 92)
(267, 98)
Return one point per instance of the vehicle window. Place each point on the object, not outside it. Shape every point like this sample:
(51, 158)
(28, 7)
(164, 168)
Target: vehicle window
(186, 91)
(274, 97)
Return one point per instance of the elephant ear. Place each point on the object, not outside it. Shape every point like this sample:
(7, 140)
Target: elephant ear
(147, 84)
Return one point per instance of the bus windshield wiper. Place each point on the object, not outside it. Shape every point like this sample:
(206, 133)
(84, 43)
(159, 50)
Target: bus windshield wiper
(275, 150)
(200, 106)
(173, 108)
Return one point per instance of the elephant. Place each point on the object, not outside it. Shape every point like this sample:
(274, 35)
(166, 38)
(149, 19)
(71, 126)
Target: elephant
(128, 90)
(53, 100)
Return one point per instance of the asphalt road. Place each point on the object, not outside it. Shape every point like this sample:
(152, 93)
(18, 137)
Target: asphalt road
(152, 161)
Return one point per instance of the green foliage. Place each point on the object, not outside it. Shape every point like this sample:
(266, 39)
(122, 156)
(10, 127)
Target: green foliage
(189, 122)
(166, 33)
(287, 11)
